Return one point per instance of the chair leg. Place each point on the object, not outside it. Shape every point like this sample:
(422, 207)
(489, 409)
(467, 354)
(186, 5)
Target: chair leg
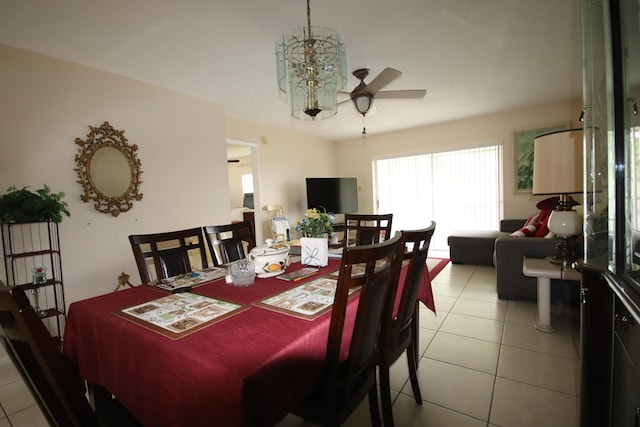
(385, 396)
(374, 410)
(415, 325)
(413, 376)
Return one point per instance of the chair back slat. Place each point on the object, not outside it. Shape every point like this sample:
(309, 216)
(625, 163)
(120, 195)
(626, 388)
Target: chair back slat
(229, 242)
(162, 255)
(366, 229)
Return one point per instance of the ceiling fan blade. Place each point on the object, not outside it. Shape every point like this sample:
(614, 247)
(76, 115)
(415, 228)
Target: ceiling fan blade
(344, 97)
(401, 94)
(384, 78)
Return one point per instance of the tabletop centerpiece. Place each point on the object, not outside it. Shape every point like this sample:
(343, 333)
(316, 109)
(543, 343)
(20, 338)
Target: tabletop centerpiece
(316, 227)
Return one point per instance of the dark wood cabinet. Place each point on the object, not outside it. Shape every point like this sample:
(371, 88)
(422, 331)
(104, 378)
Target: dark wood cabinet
(625, 407)
(596, 338)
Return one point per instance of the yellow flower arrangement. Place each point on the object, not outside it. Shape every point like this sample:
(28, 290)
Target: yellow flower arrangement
(316, 223)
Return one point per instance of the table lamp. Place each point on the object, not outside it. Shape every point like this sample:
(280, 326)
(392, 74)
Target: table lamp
(557, 170)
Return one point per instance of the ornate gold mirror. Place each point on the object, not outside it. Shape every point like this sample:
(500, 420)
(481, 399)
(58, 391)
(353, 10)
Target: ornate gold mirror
(108, 170)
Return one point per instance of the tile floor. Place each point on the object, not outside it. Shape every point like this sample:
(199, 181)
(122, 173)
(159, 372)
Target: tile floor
(483, 364)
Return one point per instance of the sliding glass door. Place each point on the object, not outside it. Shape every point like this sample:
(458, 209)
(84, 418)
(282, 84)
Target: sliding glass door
(460, 190)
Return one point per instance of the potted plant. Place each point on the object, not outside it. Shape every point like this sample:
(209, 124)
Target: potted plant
(316, 227)
(22, 205)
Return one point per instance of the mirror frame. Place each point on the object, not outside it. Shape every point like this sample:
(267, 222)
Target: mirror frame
(97, 138)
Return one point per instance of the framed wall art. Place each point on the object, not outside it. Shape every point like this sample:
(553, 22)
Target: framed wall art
(523, 149)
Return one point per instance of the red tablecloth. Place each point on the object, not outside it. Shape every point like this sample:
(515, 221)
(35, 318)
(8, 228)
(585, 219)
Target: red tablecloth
(249, 369)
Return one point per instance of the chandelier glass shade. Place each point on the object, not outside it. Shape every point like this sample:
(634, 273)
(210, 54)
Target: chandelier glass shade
(311, 68)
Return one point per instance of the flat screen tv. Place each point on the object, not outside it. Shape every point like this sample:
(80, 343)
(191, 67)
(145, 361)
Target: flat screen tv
(337, 195)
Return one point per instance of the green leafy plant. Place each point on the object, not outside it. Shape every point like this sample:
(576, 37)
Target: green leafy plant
(316, 223)
(22, 205)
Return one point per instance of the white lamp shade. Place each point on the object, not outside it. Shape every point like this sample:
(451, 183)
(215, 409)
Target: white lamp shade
(557, 163)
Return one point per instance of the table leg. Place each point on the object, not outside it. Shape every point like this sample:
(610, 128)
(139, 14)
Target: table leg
(543, 323)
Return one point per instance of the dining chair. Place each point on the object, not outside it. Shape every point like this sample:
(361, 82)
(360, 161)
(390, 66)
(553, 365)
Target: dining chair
(346, 380)
(51, 378)
(366, 229)
(229, 242)
(399, 327)
(278, 222)
(168, 254)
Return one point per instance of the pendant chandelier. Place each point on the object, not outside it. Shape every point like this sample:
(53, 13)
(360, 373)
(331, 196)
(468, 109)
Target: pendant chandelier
(312, 68)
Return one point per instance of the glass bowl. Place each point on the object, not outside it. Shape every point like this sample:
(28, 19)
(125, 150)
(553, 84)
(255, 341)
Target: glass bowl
(243, 273)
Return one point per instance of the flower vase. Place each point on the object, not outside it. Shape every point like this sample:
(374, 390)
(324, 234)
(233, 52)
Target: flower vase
(314, 251)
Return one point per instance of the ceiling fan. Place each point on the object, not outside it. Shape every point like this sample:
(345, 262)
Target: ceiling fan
(362, 95)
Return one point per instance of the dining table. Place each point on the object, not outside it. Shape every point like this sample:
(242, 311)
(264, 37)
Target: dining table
(250, 368)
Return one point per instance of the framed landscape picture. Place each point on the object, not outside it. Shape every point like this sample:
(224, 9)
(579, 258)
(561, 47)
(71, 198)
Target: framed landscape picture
(523, 149)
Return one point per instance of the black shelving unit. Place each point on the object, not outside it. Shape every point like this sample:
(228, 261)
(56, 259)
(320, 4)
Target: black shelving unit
(27, 246)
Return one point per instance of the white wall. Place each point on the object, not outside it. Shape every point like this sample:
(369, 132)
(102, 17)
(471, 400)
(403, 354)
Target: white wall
(181, 142)
(355, 156)
(285, 160)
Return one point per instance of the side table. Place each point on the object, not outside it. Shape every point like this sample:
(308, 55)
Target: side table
(544, 271)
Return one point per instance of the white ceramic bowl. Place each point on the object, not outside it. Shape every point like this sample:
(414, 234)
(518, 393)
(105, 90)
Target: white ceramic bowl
(270, 260)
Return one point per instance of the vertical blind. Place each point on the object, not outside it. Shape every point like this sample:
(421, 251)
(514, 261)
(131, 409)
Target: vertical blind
(460, 190)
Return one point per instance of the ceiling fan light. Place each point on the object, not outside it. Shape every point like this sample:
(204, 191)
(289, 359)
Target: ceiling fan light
(363, 103)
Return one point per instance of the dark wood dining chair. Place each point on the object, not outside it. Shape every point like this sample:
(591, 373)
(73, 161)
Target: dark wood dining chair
(51, 378)
(399, 327)
(345, 382)
(229, 242)
(366, 229)
(168, 254)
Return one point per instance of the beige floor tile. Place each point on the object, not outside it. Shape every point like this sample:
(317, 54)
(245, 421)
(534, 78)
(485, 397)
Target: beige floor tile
(4, 422)
(483, 271)
(482, 281)
(517, 404)
(446, 289)
(443, 303)
(487, 310)
(540, 369)
(29, 417)
(15, 397)
(523, 312)
(473, 327)
(407, 414)
(485, 293)
(8, 374)
(460, 389)
(560, 343)
(464, 351)
(431, 320)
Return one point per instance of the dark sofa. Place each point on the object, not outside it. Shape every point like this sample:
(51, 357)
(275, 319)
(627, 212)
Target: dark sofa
(496, 248)
(477, 246)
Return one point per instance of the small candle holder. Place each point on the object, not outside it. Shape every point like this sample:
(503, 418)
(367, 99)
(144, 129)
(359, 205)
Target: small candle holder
(39, 278)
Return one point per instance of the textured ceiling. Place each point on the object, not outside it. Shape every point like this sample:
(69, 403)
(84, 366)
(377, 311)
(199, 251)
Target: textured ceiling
(474, 57)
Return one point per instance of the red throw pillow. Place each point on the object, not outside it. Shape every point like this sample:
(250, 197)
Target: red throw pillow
(529, 228)
(543, 224)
